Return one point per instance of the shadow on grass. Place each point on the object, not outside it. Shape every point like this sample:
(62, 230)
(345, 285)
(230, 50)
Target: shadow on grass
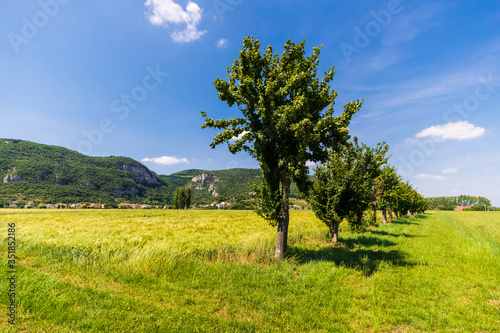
(405, 221)
(385, 233)
(364, 253)
(408, 220)
(366, 241)
(364, 260)
(422, 216)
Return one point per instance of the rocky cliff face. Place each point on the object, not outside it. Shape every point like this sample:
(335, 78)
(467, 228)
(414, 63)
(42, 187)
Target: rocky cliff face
(140, 174)
(12, 178)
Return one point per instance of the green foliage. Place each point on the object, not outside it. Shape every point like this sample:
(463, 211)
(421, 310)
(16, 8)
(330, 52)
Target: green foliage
(233, 183)
(387, 181)
(450, 203)
(343, 186)
(182, 199)
(404, 198)
(283, 124)
(477, 208)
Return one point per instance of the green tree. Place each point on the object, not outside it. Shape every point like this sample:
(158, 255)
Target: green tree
(368, 166)
(176, 198)
(287, 120)
(406, 200)
(388, 179)
(182, 198)
(187, 198)
(343, 186)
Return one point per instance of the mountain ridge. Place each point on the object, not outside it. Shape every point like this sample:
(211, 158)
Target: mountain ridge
(51, 174)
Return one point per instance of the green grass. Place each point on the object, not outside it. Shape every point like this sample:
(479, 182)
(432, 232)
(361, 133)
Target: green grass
(213, 271)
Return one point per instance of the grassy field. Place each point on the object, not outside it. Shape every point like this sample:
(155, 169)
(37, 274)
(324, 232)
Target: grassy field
(213, 271)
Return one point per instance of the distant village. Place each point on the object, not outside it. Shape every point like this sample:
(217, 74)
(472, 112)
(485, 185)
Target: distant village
(197, 183)
(124, 205)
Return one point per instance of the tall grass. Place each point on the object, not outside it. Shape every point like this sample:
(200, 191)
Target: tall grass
(213, 271)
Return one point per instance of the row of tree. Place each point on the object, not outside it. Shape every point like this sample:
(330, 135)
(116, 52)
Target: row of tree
(287, 121)
(356, 179)
(450, 203)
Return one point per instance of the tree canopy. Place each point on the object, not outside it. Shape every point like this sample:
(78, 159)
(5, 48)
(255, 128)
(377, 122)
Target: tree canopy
(286, 120)
(343, 186)
(450, 203)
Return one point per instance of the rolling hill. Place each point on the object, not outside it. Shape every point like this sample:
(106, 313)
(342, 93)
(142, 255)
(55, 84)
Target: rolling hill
(32, 171)
(52, 174)
(225, 184)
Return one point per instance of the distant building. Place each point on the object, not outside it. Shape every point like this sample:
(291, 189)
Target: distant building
(220, 205)
(77, 205)
(461, 208)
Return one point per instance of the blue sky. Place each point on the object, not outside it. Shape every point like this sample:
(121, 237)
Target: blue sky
(130, 78)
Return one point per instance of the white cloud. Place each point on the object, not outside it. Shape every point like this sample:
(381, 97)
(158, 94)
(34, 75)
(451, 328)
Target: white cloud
(167, 12)
(222, 43)
(450, 170)
(488, 168)
(460, 130)
(166, 160)
(432, 177)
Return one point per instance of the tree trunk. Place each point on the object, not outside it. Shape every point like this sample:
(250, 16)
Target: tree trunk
(384, 215)
(389, 210)
(374, 211)
(284, 220)
(335, 233)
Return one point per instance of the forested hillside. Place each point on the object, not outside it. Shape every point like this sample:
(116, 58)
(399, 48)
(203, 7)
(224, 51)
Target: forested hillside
(51, 174)
(232, 183)
(32, 171)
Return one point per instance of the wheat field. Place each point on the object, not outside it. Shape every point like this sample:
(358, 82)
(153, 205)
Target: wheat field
(213, 271)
